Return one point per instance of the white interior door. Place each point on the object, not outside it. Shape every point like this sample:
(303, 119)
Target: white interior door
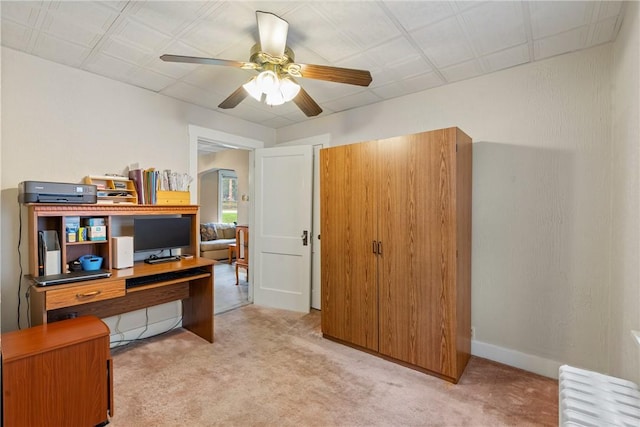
(283, 203)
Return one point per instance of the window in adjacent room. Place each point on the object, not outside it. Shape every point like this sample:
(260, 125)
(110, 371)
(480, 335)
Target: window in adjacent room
(227, 196)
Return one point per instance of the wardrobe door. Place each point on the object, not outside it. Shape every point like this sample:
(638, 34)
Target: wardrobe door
(348, 263)
(417, 264)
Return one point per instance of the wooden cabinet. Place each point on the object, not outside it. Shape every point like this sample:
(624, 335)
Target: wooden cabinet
(114, 189)
(57, 374)
(396, 248)
(43, 216)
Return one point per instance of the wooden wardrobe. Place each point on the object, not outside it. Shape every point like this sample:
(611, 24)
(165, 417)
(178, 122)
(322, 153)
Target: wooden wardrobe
(396, 248)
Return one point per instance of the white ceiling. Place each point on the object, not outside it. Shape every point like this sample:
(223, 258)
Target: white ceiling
(407, 46)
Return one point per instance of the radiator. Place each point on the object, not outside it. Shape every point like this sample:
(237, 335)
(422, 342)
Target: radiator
(591, 399)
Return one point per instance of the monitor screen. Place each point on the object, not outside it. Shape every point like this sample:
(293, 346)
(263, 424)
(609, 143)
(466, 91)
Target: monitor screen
(153, 234)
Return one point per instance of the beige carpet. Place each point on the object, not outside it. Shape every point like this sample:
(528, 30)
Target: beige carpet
(228, 295)
(273, 368)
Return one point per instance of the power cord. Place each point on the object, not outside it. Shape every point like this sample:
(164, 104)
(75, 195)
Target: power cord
(123, 344)
(19, 261)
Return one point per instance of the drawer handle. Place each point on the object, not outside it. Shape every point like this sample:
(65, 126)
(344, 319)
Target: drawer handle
(88, 294)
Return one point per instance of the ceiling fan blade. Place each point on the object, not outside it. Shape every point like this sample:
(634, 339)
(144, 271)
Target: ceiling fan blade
(308, 106)
(273, 33)
(207, 61)
(332, 74)
(234, 99)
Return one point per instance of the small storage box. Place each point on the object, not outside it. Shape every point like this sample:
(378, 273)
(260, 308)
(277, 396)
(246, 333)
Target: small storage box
(97, 232)
(173, 198)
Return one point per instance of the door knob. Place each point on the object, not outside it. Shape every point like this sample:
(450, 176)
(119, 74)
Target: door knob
(305, 238)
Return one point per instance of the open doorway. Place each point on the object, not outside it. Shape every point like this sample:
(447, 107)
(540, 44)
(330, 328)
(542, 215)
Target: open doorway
(228, 149)
(224, 207)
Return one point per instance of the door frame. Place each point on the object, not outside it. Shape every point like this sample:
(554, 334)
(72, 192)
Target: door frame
(318, 142)
(199, 133)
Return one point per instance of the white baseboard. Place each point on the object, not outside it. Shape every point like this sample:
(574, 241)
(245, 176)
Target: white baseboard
(537, 365)
(126, 337)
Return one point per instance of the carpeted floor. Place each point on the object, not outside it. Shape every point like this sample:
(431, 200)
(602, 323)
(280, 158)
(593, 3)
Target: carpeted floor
(271, 367)
(227, 295)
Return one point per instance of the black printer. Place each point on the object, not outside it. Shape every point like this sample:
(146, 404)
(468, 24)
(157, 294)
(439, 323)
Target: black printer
(56, 192)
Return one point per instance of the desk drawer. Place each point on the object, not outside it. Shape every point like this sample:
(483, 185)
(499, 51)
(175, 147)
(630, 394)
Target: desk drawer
(85, 293)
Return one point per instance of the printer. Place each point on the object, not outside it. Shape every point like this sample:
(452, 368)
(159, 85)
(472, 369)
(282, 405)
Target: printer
(56, 192)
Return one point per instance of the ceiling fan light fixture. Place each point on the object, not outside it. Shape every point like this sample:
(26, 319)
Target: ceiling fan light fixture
(268, 81)
(274, 98)
(289, 89)
(253, 89)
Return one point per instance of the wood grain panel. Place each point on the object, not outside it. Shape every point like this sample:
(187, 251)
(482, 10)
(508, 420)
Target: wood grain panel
(348, 264)
(56, 374)
(464, 173)
(417, 227)
(84, 293)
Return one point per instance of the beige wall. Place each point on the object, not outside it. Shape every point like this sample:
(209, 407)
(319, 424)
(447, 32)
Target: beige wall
(624, 298)
(541, 257)
(236, 160)
(61, 124)
(208, 196)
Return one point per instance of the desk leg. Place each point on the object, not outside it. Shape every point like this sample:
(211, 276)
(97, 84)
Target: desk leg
(197, 310)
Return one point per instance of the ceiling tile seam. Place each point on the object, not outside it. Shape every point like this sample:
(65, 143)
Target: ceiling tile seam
(411, 41)
(343, 34)
(526, 18)
(35, 32)
(95, 50)
(462, 24)
(619, 19)
(593, 22)
(178, 38)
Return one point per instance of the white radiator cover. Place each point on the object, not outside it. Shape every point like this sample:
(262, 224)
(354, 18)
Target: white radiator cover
(591, 399)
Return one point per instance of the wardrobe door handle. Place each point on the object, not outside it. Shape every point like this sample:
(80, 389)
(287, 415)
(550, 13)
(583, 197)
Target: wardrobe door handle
(375, 247)
(379, 248)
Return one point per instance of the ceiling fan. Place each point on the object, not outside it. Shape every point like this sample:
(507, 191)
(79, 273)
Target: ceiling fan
(277, 68)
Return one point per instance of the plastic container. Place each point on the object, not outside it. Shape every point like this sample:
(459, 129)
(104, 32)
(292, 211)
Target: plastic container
(90, 262)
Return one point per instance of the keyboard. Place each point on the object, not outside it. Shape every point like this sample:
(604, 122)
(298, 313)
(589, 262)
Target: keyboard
(162, 259)
(74, 276)
(163, 277)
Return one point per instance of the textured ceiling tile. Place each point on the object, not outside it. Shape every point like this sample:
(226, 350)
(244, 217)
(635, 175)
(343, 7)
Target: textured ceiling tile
(221, 28)
(495, 26)
(85, 14)
(423, 82)
(222, 80)
(364, 22)
(118, 47)
(168, 16)
(549, 18)
(604, 31)
(391, 90)
(108, 66)
(192, 94)
(409, 67)
(149, 80)
(15, 35)
(444, 43)
(507, 58)
(311, 29)
(462, 71)
(25, 13)
(60, 27)
(59, 50)
(417, 14)
(144, 37)
(609, 9)
(561, 43)
(353, 101)
(392, 51)
(278, 122)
